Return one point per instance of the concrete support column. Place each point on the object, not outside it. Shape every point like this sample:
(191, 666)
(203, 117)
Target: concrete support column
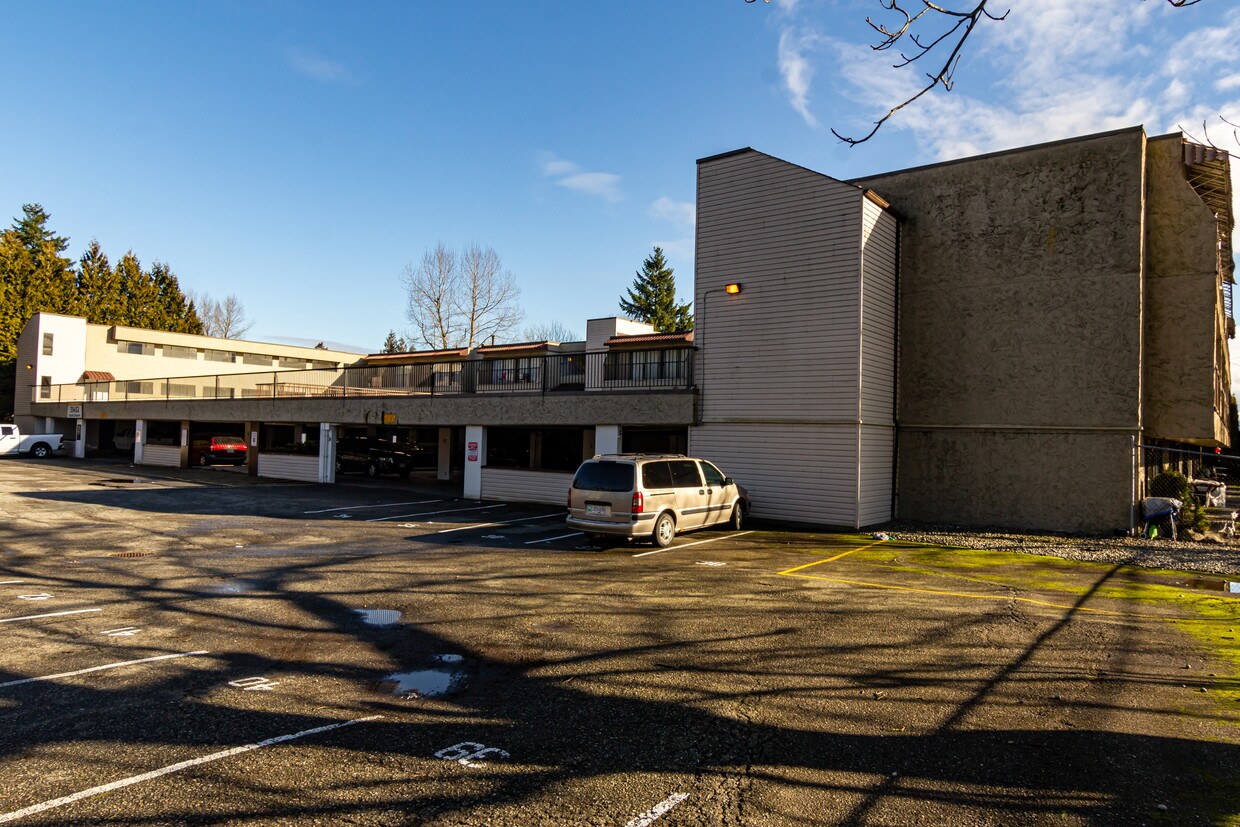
(475, 458)
(606, 439)
(327, 452)
(445, 454)
(79, 435)
(251, 450)
(49, 425)
(184, 443)
(139, 438)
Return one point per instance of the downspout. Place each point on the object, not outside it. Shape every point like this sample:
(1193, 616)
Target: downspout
(895, 389)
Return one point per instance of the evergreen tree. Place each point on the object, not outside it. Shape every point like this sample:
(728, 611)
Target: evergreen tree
(98, 288)
(178, 314)
(652, 298)
(37, 278)
(394, 344)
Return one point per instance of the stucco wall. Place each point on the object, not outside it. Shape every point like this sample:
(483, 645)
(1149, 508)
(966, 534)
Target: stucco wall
(1049, 481)
(1182, 289)
(1020, 314)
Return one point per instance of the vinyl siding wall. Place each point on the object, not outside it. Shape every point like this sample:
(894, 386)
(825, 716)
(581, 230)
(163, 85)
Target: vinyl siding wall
(795, 473)
(876, 429)
(288, 467)
(166, 456)
(786, 347)
(525, 486)
(785, 381)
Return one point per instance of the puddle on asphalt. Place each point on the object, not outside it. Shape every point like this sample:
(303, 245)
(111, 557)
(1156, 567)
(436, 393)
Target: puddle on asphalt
(447, 677)
(233, 587)
(379, 617)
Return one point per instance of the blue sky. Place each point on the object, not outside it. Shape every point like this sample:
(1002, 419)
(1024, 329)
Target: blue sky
(301, 154)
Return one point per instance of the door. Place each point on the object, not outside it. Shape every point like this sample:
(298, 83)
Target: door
(718, 495)
(8, 439)
(691, 502)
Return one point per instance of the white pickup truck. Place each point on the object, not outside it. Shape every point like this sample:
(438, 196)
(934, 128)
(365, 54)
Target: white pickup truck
(39, 446)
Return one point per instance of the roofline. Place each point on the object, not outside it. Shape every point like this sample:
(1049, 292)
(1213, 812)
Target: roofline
(727, 154)
(999, 154)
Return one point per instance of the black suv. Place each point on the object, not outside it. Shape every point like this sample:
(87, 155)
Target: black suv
(373, 456)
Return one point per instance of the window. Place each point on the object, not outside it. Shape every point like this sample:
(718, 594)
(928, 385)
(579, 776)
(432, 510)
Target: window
(294, 364)
(135, 348)
(605, 476)
(140, 388)
(47, 344)
(256, 359)
(323, 365)
(511, 371)
(6, 430)
(646, 365)
(714, 477)
(657, 475)
(45, 387)
(173, 352)
(178, 391)
(685, 474)
(219, 356)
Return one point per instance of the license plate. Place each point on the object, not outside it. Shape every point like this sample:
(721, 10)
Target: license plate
(598, 510)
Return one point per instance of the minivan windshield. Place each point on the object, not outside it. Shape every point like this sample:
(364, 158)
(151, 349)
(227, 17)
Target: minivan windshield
(604, 476)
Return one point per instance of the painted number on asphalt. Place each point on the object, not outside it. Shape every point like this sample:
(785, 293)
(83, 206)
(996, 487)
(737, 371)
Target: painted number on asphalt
(125, 631)
(466, 752)
(255, 684)
(42, 596)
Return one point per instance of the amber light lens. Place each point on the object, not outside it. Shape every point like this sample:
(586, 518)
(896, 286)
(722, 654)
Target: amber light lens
(732, 289)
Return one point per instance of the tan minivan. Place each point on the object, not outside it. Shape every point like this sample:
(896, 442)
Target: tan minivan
(652, 496)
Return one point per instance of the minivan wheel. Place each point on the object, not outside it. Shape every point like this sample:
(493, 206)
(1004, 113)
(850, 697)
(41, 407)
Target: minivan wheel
(202, 460)
(664, 530)
(737, 520)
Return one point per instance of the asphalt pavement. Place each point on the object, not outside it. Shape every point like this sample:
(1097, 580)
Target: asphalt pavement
(201, 647)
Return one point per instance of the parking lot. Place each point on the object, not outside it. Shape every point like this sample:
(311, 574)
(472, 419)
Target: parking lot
(203, 647)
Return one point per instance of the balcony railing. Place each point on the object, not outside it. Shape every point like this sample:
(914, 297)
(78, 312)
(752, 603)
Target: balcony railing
(557, 373)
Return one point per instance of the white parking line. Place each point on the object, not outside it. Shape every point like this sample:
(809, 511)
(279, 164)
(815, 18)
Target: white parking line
(430, 513)
(549, 539)
(100, 668)
(698, 543)
(182, 765)
(11, 582)
(50, 614)
(360, 507)
(657, 811)
(501, 522)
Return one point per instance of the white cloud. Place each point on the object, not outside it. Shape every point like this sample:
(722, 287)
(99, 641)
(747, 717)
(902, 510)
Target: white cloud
(797, 71)
(604, 185)
(680, 249)
(678, 212)
(1228, 83)
(317, 67)
(551, 164)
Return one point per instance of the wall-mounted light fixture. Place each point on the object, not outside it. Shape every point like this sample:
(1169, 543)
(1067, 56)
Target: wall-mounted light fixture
(732, 289)
(29, 367)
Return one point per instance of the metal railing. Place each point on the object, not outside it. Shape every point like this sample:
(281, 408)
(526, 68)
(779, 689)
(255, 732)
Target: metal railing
(670, 369)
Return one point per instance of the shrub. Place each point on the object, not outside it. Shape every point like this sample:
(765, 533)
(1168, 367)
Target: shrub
(1175, 485)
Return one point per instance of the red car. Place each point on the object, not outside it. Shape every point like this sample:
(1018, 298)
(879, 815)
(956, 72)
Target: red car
(209, 450)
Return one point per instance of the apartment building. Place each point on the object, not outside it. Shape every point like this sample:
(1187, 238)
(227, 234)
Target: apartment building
(987, 341)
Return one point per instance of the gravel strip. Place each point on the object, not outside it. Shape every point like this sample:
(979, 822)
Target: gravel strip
(1160, 553)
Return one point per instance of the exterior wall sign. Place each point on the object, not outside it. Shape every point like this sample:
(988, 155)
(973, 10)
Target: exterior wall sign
(472, 453)
(75, 411)
(389, 418)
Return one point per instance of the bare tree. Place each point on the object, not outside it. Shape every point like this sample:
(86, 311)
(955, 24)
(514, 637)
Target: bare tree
(432, 289)
(947, 27)
(459, 300)
(555, 331)
(224, 320)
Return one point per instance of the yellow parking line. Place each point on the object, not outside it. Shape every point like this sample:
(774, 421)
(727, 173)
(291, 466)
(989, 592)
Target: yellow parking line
(832, 559)
(792, 572)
